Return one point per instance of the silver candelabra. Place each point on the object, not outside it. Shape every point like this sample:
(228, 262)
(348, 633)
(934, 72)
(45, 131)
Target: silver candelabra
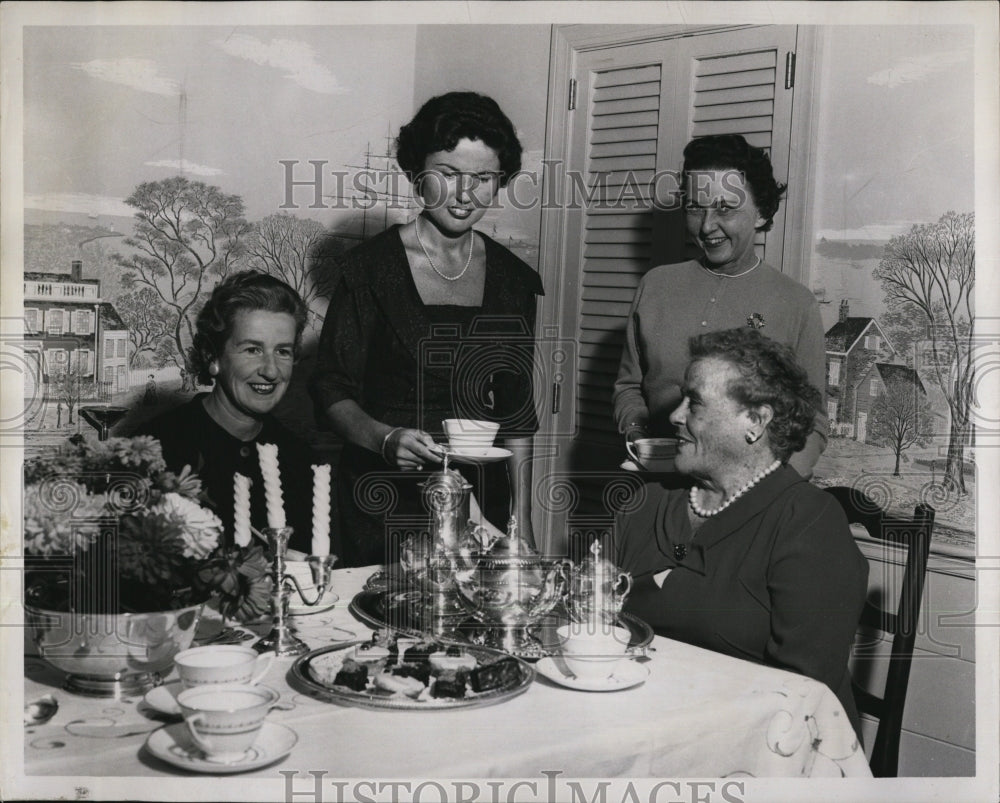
(282, 639)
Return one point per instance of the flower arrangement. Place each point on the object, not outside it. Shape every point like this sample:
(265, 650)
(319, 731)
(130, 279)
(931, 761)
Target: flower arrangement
(108, 529)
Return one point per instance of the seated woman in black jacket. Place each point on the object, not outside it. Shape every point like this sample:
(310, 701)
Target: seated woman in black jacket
(247, 337)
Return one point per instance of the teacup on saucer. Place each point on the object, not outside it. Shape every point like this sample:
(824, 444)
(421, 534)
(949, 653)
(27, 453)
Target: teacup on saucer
(172, 743)
(592, 650)
(224, 719)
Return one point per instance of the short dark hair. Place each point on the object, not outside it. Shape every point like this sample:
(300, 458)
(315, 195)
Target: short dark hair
(248, 290)
(768, 373)
(443, 120)
(733, 152)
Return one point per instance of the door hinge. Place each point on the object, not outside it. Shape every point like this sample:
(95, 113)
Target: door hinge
(556, 397)
(571, 100)
(789, 69)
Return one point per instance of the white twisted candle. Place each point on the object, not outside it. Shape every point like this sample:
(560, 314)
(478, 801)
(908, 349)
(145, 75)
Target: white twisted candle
(268, 455)
(241, 509)
(321, 511)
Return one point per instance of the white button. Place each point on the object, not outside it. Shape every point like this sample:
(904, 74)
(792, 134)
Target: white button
(704, 323)
(713, 300)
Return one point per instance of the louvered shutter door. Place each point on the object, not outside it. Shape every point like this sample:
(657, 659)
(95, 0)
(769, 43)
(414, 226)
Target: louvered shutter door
(622, 160)
(737, 87)
(637, 105)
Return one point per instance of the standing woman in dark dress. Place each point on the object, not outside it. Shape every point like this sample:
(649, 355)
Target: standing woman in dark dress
(431, 320)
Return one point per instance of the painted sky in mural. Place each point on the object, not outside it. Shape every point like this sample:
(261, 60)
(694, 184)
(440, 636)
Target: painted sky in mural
(106, 108)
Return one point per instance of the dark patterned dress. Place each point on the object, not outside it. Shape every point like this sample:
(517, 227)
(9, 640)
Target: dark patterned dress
(409, 364)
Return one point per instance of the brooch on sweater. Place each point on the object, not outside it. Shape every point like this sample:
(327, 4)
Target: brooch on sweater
(755, 320)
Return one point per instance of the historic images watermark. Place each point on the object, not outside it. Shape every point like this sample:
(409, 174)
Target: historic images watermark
(313, 786)
(552, 188)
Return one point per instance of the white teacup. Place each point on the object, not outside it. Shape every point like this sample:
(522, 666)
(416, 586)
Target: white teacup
(468, 433)
(224, 719)
(221, 663)
(593, 650)
(653, 454)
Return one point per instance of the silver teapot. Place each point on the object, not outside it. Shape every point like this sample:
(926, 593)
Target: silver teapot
(597, 589)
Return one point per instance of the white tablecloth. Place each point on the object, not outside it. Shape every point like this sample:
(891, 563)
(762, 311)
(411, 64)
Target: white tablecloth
(699, 714)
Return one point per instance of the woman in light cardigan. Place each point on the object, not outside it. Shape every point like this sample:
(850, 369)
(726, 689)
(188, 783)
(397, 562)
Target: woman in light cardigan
(731, 194)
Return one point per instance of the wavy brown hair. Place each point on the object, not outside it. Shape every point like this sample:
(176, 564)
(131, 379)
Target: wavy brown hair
(248, 290)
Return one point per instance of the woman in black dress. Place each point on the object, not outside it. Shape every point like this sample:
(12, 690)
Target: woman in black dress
(431, 320)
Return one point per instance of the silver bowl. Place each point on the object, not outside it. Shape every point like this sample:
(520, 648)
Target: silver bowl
(112, 654)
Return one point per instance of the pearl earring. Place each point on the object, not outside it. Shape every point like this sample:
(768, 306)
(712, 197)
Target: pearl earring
(213, 368)
(751, 437)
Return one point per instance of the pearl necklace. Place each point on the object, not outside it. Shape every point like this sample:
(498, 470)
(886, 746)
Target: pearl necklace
(445, 276)
(734, 275)
(704, 514)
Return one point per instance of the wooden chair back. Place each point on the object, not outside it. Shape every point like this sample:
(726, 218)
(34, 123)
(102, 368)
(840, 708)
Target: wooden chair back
(901, 623)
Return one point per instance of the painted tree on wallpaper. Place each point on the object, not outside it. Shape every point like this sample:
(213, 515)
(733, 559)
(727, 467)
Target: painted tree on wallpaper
(928, 276)
(287, 247)
(146, 319)
(901, 417)
(70, 385)
(188, 235)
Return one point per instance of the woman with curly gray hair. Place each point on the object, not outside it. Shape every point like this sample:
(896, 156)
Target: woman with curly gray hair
(749, 559)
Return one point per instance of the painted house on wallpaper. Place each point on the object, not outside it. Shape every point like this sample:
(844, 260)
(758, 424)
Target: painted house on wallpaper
(853, 346)
(873, 383)
(69, 327)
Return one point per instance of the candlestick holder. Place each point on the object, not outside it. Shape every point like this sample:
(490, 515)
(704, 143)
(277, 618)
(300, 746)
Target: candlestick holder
(282, 639)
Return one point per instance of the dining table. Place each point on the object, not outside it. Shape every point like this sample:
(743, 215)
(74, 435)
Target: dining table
(698, 714)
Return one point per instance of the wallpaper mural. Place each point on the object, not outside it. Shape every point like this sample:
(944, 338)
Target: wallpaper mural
(160, 193)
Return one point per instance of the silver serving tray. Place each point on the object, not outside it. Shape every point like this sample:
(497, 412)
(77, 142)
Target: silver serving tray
(303, 672)
(374, 607)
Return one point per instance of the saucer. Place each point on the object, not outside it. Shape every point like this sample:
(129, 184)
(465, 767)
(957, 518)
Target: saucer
(172, 743)
(627, 675)
(477, 455)
(296, 607)
(164, 698)
(655, 466)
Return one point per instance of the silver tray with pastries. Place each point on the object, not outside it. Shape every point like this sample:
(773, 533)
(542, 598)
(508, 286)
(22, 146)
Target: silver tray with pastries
(315, 673)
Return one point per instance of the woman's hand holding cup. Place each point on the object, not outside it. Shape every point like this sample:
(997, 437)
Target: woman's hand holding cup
(410, 449)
